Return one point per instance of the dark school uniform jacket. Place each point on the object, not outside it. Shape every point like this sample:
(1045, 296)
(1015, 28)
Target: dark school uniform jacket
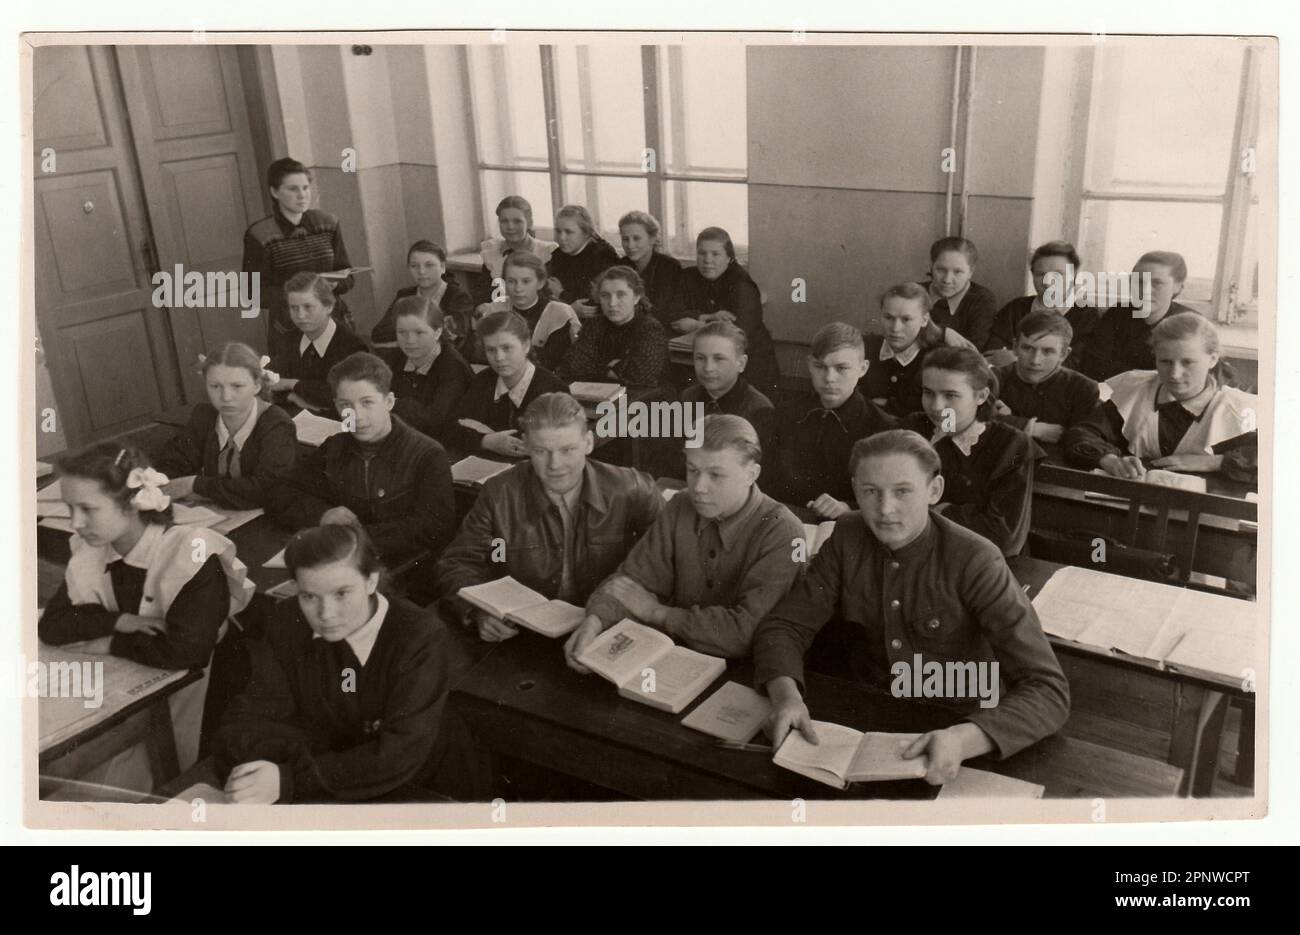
(456, 305)
(736, 292)
(1006, 327)
(312, 370)
(972, 319)
(1120, 343)
(577, 272)
(426, 400)
(478, 403)
(1063, 399)
(813, 445)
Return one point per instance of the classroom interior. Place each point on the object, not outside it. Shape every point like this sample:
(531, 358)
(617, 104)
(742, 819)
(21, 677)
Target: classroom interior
(834, 164)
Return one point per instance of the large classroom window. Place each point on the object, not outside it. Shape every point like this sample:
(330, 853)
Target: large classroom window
(615, 127)
(1167, 169)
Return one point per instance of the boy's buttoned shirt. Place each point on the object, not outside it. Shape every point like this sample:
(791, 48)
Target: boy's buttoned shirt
(947, 596)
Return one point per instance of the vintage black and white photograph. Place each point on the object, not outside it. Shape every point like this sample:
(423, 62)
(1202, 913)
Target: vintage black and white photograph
(498, 427)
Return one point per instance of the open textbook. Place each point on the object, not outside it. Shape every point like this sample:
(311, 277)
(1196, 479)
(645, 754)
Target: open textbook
(843, 755)
(1191, 631)
(508, 600)
(648, 667)
(313, 429)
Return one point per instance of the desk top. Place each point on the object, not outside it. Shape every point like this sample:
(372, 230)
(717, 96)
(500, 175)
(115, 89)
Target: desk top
(90, 692)
(524, 700)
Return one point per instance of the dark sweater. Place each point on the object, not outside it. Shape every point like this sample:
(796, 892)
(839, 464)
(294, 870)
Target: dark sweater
(499, 415)
(813, 446)
(276, 249)
(1006, 327)
(194, 618)
(311, 370)
(578, 272)
(424, 401)
(898, 386)
(639, 346)
(991, 489)
(1120, 343)
(333, 744)
(744, 401)
(268, 455)
(734, 291)
(399, 488)
(973, 319)
(456, 305)
(663, 278)
(1064, 398)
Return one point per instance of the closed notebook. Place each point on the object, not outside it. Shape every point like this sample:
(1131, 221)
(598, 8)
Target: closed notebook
(648, 667)
(508, 600)
(476, 470)
(843, 755)
(734, 712)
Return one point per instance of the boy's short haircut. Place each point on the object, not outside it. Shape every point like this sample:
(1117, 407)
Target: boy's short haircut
(832, 337)
(1061, 248)
(911, 291)
(1177, 265)
(722, 431)
(724, 329)
(1037, 324)
(362, 366)
(896, 442)
(553, 411)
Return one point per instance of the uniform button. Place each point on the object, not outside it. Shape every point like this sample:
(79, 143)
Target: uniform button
(894, 604)
(895, 644)
(893, 379)
(932, 623)
(381, 491)
(894, 566)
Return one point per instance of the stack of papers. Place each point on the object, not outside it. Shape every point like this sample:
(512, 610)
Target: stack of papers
(313, 429)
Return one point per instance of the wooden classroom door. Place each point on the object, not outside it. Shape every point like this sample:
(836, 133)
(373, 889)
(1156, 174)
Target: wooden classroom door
(109, 351)
(200, 180)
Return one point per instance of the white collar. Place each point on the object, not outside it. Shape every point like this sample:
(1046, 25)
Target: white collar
(323, 342)
(521, 388)
(362, 639)
(241, 435)
(1197, 404)
(965, 441)
(142, 553)
(954, 301)
(904, 358)
(423, 370)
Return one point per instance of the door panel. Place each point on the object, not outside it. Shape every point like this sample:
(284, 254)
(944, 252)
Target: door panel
(91, 239)
(195, 150)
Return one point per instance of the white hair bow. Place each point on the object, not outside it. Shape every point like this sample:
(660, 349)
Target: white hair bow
(148, 483)
(269, 376)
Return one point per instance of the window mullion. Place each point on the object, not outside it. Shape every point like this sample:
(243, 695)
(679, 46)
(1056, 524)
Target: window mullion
(554, 139)
(1232, 229)
(653, 129)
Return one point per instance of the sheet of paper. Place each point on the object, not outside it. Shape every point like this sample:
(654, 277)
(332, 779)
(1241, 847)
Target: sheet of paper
(50, 493)
(621, 652)
(43, 468)
(313, 429)
(283, 590)
(981, 784)
(275, 561)
(1109, 611)
(1218, 637)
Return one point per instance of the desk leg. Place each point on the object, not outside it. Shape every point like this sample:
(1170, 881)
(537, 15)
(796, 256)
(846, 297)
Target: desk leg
(1194, 744)
(160, 743)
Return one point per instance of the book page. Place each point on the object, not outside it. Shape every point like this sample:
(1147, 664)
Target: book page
(313, 429)
(1217, 636)
(591, 392)
(475, 470)
(554, 618)
(501, 597)
(677, 677)
(621, 652)
(879, 758)
(833, 753)
(733, 712)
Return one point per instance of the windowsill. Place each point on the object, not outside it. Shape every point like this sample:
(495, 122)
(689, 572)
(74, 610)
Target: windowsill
(472, 262)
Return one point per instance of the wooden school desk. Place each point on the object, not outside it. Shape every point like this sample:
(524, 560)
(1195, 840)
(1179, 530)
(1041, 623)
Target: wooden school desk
(522, 700)
(1124, 699)
(74, 739)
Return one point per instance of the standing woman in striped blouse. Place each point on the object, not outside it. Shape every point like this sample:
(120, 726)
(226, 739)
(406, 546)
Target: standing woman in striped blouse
(294, 238)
